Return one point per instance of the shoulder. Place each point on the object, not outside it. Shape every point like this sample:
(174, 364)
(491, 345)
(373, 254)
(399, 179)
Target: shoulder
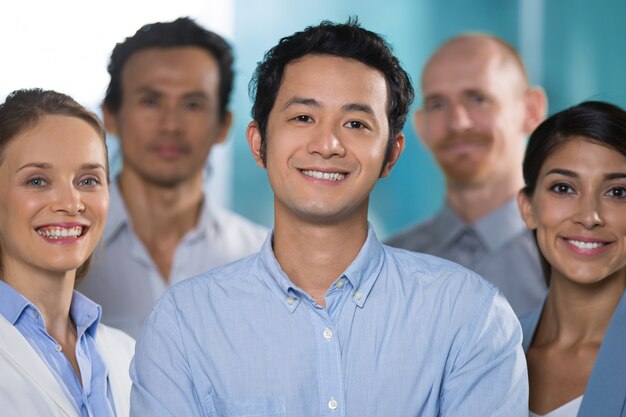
(111, 338)
(413, 237)
(235, 224)
(221, 282)
(439, 276)
(529, 323)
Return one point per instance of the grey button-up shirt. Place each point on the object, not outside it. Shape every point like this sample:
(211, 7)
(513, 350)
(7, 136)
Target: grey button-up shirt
(499, 247)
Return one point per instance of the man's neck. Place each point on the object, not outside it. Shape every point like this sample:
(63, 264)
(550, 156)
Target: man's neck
(161, 216)
(314, 255)
(474, 201)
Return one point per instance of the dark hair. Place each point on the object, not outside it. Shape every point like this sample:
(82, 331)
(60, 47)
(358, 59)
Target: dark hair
(23, 109)
(599, 122)
(182, 32)
(347, 40)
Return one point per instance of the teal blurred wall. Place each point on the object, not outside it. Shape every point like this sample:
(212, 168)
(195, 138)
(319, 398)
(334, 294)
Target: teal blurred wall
(576, 49)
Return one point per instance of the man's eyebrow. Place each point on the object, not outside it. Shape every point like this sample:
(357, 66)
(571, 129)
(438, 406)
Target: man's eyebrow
(152, 91)
(196, 94)
(148, 90)
(359, 107)
(303, 101)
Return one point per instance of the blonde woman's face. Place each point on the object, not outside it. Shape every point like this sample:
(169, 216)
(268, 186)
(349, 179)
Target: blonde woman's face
(53, 196)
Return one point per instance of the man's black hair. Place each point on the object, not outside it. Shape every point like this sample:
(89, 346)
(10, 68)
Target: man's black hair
(345, 40)
(181, 32)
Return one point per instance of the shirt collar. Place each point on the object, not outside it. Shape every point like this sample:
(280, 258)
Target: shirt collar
(447, 226)
(362, 272)
(118, 218)
(500, 226)
(493, 230)
(85, 313)
(12, 303)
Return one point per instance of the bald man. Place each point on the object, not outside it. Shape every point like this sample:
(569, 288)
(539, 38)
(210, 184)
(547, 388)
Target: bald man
(478, 109)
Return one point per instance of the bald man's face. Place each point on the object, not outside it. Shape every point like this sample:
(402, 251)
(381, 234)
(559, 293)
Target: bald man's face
(473, 119)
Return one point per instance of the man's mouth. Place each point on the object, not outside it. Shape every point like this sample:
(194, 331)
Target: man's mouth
(329, 176)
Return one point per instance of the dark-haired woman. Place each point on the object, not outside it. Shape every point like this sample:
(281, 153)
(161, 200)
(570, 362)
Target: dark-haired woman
(575, 202)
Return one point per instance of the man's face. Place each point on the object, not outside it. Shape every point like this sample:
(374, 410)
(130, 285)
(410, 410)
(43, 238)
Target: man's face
(169, 115)
(326, 139)
(474, 115)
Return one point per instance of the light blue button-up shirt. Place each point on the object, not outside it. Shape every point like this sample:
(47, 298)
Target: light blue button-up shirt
(125, 280)
(402, 334)
(93, 397)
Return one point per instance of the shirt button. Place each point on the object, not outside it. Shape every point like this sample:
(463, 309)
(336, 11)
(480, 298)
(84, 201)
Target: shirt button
(358, 295)
(340, 283)
(291, 300)
(35, 315)
(328, 334)
(58, 348)
(332, 404)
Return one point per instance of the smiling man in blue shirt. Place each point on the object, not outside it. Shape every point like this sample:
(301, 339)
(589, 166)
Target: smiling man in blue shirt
(325, 320)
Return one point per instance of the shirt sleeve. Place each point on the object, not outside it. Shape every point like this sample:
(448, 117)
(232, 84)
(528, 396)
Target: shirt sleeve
(487, 373)
(162, 379)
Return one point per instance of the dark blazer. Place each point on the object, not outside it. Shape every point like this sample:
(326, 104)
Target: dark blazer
(605, 394)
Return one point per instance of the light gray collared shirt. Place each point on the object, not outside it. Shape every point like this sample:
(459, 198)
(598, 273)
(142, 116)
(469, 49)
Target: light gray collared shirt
(124, 279)
(499, 247)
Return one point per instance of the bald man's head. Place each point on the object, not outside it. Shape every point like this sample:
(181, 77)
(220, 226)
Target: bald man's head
(478, 109)
(463, 49)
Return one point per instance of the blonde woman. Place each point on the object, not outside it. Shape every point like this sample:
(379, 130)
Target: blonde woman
(55, 357)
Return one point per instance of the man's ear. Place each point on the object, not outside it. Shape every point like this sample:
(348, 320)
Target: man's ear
(397, 147)
(525, 206)
(110, 121)
(419, 123)
(536, 108)
(253, 135)
(225, 125)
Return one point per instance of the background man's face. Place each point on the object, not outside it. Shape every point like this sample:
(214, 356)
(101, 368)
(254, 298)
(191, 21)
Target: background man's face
(169, 116)
(474, 112)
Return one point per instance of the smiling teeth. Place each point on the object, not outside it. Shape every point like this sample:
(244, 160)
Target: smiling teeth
(60, 232)
(585, 245)
(331, 176)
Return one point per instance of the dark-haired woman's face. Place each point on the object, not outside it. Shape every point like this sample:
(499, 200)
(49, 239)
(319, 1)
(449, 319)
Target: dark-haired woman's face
(53, 196)
(579, 212)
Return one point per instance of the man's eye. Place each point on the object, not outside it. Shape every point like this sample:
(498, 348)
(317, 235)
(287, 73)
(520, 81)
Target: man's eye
(194, 105)
(303, 118)
(355, 124)
(477, 98)
(148, 101)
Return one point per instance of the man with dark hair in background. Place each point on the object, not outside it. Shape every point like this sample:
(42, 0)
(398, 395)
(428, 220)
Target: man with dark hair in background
(167, 102)
(478, 109)
(324, 320)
